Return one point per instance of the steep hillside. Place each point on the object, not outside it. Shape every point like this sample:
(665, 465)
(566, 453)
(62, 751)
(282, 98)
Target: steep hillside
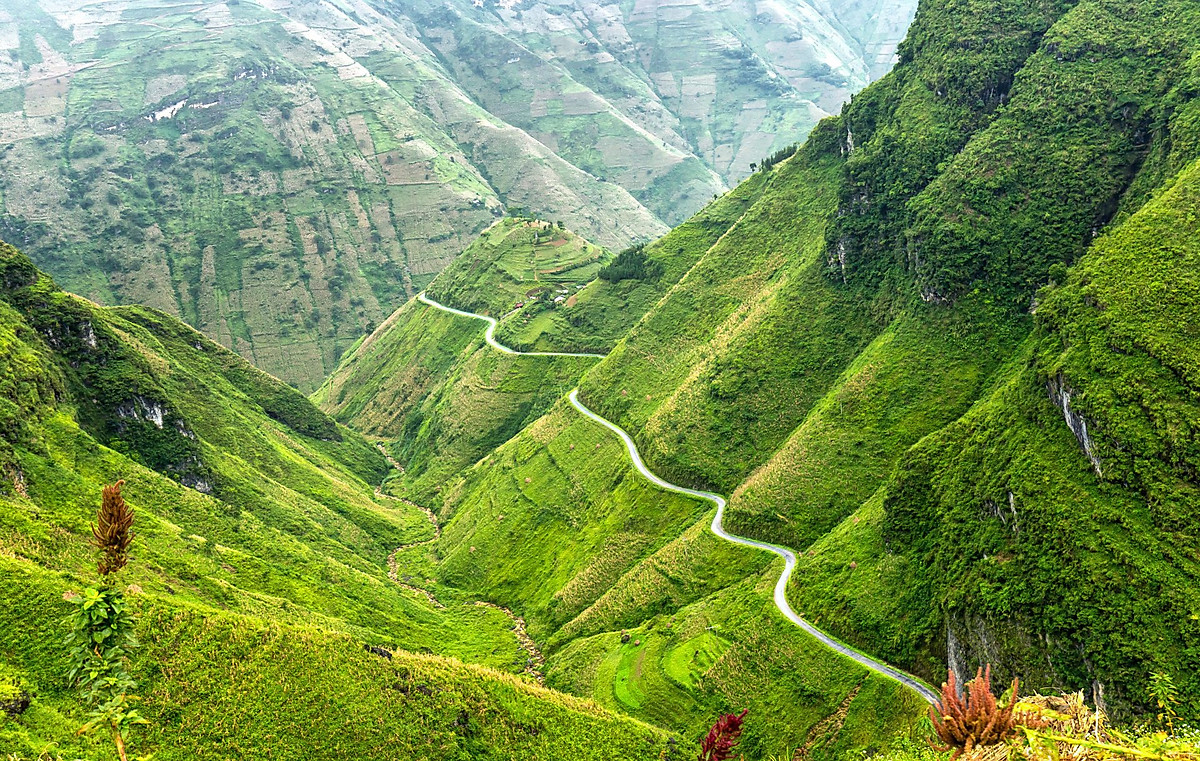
(259, 565)
(424, 381)
(554, 524)
(283, 175)
(940, 351)
(281, 201)
(712, 87)
(801, 382)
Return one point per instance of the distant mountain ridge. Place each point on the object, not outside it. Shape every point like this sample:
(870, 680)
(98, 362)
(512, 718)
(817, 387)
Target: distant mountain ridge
(283, 175)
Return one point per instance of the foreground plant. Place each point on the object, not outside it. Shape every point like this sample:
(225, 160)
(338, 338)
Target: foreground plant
(101, 637)
(976, 719)
(719, 743)
(1070, 730)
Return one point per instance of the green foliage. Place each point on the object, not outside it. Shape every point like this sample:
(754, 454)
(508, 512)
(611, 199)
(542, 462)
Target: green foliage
(630, 264)
(779, 155)
(1166, 698)
(14, 693)
(1089, 458)
(101, 639)
(101, 642)
(957, 66)
(604, 311)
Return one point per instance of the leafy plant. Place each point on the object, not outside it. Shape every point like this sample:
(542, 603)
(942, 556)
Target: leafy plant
(101, 637)
(719, 743)
(1166, 697)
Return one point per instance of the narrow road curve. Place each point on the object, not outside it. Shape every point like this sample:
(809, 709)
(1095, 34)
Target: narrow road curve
(789, 560)
(490, 336)
(789, 557)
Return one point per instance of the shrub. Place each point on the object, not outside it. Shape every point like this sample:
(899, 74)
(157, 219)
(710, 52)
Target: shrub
(630, 264)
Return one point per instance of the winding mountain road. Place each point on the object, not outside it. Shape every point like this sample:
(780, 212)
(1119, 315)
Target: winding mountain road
(789, 557)
(490, 336)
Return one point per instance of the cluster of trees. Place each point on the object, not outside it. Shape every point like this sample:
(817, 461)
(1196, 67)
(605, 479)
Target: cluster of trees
(630, 264)
(774, 158)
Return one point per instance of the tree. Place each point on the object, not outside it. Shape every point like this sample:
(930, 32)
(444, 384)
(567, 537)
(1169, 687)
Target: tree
(630, 264)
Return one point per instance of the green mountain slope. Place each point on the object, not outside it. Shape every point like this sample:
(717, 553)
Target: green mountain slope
(936, 262)
(283, 200)
(425, 382)
(260, 564)
(943, 351)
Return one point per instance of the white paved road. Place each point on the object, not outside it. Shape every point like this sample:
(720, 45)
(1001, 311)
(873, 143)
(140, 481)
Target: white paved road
(490, 336)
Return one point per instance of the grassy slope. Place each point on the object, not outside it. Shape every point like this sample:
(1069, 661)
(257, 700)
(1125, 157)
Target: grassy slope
(557, 525)
(999, 507)
(425, 381)
(270, 572)
(811, 353)
(605, 311)
(516, 261)
(216, 685)
(553, 524)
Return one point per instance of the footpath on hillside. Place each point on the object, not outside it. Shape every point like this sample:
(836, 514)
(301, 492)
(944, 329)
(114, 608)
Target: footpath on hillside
(534, 661)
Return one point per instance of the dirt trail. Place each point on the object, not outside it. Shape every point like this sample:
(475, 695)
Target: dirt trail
(536, 661)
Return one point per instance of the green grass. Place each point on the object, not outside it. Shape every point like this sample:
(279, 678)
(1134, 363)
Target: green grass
(425, 383)
(563, 531)
(258, 567)
(688, 661)
(517, 262)
(218, 685)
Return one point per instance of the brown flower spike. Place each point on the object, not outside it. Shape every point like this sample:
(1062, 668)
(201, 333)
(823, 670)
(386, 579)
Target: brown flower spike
(964, 724)
(111, 534)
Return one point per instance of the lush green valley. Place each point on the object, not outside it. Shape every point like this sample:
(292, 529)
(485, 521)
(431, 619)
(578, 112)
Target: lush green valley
(880, 356)
(945, 350)
(251, 506)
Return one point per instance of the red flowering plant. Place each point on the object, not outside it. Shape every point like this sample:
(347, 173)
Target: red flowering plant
(719, 743)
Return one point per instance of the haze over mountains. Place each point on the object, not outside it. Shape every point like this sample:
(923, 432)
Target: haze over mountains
(283, 175)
